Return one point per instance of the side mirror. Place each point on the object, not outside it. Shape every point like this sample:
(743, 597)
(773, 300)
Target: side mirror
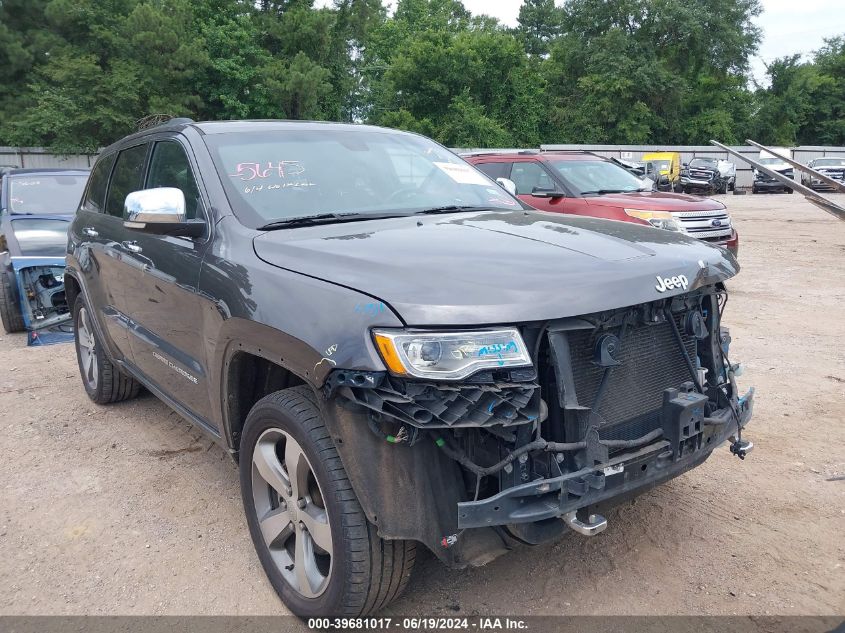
(507, 184)
(547, 193)
(160, 211)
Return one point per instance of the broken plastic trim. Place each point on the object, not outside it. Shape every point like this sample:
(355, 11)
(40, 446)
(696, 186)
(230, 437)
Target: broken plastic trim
(500, 397)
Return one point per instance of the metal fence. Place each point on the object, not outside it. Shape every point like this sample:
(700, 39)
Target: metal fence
(39, 157)
(744, 173)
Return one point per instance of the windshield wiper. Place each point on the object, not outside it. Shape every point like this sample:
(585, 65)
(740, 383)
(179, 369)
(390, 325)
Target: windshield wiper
(322, 218)
(334, 218)
(600, 192)
(451, 208)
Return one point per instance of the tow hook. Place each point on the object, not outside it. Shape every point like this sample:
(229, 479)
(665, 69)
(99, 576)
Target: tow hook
(741, 448)
(595, 525)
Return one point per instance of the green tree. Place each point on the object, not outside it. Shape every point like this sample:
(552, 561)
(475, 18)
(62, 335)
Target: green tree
(79, 105)
(540, 22)
(474, 75)
(651, 71)
(825, 122)
(296, 89)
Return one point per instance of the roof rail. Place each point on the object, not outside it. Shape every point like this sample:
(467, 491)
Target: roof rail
(571, 151)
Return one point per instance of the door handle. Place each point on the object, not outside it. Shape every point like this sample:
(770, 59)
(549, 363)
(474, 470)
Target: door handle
(132, 247)
(90, 232)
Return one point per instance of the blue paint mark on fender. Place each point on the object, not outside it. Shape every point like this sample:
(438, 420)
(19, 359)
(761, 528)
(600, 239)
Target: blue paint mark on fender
(370, 309)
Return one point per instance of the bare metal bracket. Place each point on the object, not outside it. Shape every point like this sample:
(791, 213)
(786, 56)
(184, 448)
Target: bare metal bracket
(597, 524)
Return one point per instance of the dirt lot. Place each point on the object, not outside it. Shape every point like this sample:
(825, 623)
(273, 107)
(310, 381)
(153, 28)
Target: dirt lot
(129, 510)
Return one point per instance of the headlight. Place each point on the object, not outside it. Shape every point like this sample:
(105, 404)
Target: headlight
(658, 219)
(450, 355)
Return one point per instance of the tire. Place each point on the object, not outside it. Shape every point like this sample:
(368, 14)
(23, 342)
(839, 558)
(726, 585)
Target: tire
(10, 310)
(362, 572)
(104, 383)
(788, 190)
(754, 190)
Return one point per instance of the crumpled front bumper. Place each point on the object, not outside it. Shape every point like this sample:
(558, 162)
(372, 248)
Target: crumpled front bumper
(621, 476)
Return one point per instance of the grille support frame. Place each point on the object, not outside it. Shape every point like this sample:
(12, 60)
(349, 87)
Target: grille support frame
(631, 402)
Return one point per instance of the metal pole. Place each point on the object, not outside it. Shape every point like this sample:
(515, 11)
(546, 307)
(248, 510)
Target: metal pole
(839, 186)
(811, 195)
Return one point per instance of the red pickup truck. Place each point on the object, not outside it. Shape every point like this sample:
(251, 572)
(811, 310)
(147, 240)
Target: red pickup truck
(583, 183)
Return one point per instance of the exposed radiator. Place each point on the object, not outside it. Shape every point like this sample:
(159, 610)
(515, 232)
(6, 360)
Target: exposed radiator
(651, 362)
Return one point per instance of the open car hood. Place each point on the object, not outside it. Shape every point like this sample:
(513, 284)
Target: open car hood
(497, 267)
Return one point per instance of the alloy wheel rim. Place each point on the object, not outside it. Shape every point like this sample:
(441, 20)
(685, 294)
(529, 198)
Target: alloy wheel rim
(291, 513)
(87, 346)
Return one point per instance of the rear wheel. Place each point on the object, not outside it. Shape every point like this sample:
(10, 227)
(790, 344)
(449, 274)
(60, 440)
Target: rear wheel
(319, 551)
(103, 382)
(10, 310)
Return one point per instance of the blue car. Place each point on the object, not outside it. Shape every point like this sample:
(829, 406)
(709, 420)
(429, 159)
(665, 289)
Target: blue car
(36, 207)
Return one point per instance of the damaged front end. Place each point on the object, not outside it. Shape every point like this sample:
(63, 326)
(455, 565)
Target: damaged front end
(43, 303)
(613, 403)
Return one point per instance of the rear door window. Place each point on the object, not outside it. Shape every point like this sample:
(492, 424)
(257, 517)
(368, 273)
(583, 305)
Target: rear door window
(95, 194)
(495, 170)
(128, 176)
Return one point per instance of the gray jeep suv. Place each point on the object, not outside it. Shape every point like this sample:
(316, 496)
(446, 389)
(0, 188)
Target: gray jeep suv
(394, 349)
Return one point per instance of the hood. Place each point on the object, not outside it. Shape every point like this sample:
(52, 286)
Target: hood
(496, 267)
(38, 235)
(655, 201)
(779, 167)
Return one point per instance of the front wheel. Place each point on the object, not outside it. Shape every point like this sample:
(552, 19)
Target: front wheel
(10, 310)
(317, 548)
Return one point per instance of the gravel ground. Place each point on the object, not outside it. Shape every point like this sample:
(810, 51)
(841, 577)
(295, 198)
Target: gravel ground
(127, 509)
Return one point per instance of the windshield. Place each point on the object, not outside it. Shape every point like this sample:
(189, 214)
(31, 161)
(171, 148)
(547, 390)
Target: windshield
(590, 176)
(829, 162)
(283, 174)
(659, 165)
(46, 193)
(45, 238)
(709, 163)
(771, 161)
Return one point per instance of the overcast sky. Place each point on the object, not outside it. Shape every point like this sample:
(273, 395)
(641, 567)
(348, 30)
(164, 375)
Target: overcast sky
(789, 26)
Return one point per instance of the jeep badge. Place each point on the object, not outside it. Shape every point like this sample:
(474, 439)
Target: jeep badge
(667, 283)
